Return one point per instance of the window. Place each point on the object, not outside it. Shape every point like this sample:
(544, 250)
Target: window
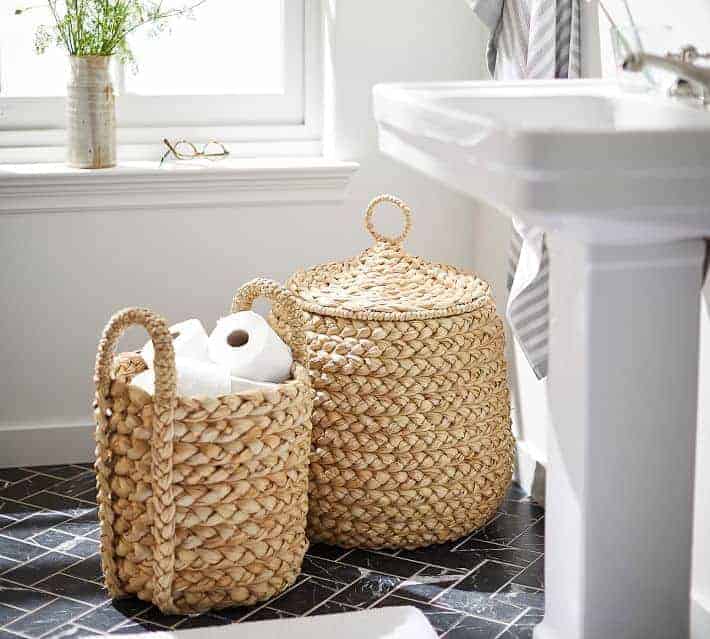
(244, 71)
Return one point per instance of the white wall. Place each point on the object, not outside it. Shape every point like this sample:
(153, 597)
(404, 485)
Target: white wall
(63, 275)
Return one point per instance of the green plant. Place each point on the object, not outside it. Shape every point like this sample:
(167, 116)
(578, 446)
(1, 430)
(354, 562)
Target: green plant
(101, 27)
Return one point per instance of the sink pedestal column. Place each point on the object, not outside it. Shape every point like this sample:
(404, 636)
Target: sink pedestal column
(623, 395)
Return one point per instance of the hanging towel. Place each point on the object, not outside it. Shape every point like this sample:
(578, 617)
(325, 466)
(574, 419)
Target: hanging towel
(530, 39)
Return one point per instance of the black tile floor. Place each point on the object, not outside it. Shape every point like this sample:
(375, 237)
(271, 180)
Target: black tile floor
(488, 585)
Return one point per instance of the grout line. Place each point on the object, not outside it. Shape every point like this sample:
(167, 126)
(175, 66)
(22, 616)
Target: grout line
(36, 544)
(32, 471)
(11, 519)
(330, 597)
(88, 581)
(289, 615)
(42, 554)
(511, 580)
(120, 623)
(475, 532)
(39, 509)
(6, 483)
(497, 546)
(512, 623)
(417, 601)
(20, 634)
(387, 594)
(45, 474)
(73, 619)
(36, 492)
(7, 627)
(466, 615)
(410, 580)
(17, 562)
(458, 581)
(136, 620)
(263, 605)
(527, 529)
(21, 503)
(32, 585)
(64, 532)
(82, 501)
(381, 572)
(336, 581)
(53, 529)
(347, 552)
(456, 575)
(23, 563)
(415, 561)
(431, 602)
(266, 603)
(4, 603)
(77, 623)
(56, 596)
(523, 567)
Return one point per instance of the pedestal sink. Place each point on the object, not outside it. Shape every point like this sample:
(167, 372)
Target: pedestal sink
(621, 184)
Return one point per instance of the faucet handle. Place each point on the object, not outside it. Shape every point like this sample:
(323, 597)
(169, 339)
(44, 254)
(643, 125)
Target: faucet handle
(688, 54)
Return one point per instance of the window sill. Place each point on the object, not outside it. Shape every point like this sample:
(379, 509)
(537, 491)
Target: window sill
(56, 188)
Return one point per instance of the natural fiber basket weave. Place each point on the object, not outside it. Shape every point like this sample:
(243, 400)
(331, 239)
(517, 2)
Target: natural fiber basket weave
(202, 500)
(411, 427)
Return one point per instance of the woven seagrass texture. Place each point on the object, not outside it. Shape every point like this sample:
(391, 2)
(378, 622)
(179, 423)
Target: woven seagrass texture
(386, 283)
(202, 500)
(411, 427)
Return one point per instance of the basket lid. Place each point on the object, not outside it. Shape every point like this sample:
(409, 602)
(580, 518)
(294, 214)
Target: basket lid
(387, 283)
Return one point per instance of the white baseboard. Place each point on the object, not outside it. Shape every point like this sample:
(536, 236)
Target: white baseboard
(40, 445)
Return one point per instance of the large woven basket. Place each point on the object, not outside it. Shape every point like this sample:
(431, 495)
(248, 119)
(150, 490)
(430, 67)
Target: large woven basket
(411, 427)
(202, 500)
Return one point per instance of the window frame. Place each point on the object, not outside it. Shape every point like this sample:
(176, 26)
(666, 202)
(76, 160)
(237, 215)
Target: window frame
(32, 129)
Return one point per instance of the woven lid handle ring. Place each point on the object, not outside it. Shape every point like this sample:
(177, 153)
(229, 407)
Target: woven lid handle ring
(287, 306)
(162, 505)
(406, 212)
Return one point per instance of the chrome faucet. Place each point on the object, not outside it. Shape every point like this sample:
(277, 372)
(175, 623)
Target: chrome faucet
(694, 80)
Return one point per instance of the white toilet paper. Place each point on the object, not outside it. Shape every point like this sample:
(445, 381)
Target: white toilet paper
(239, 385)
(250, 348)
(194, 379)
(189, 340)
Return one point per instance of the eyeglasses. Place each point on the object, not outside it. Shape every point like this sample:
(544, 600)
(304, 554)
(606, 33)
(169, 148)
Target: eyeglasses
(185, 150)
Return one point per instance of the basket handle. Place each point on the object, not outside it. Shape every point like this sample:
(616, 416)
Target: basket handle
(406, 212)
(284, 301)
(162, 503)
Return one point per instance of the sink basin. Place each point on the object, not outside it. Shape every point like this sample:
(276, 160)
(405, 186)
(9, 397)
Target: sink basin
(565, 150)
(620, 183)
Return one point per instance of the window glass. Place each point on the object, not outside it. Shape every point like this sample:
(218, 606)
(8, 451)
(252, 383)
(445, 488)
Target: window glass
(227, 47)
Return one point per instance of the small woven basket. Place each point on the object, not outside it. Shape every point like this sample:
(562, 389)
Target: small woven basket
(412, 442)
(202, 500)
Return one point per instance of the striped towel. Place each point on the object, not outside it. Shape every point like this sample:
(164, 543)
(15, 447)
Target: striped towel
(530, 39)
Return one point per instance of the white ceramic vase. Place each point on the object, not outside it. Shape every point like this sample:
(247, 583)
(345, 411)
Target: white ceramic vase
(91, 114)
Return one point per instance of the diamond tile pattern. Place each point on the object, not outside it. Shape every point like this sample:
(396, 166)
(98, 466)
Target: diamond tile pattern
(489, 585)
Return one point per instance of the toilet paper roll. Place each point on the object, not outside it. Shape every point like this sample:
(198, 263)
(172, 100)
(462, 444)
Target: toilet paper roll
(250, 348)
(240, 385)
(194, 379)
(189, 340)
